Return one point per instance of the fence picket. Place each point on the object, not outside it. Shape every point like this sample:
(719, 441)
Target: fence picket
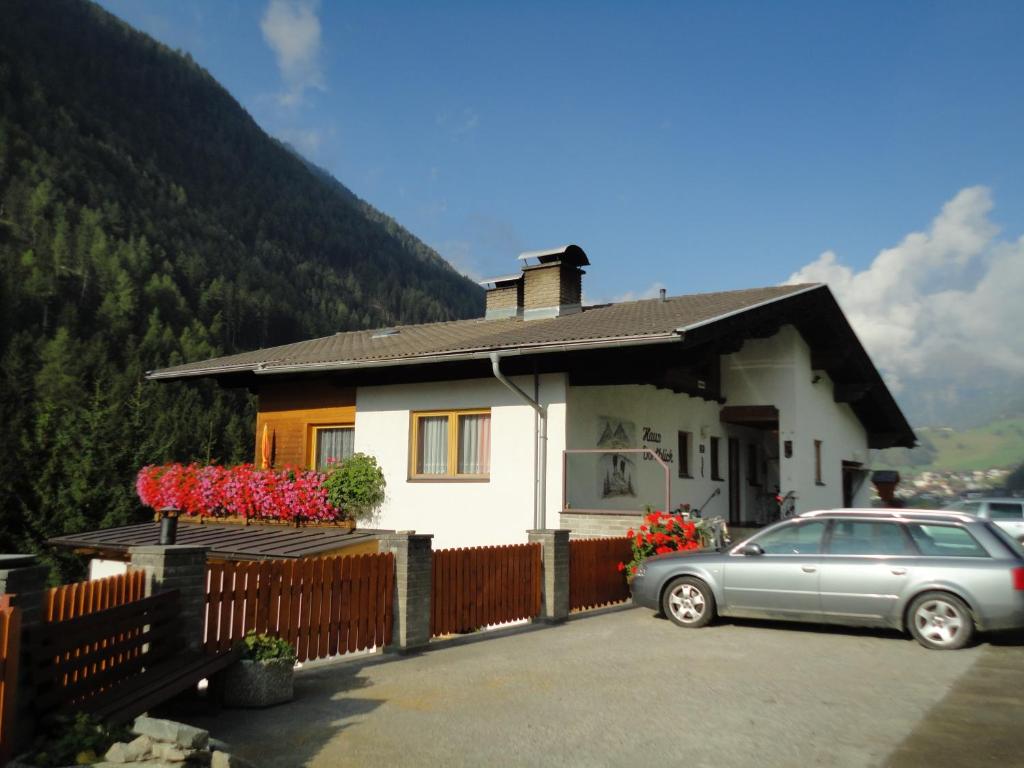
(345, 611)
(227, 601)
(354, 598)
(10, 637)
(214, 574)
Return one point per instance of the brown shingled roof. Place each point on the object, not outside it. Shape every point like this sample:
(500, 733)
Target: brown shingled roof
(652, 318)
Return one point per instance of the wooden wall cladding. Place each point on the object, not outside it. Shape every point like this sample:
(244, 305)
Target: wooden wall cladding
(290, 409)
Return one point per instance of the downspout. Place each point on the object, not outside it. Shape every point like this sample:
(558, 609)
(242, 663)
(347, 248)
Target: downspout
(541, 429)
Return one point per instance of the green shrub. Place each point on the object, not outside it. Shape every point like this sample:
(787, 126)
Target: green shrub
(356, 486)
(264, 648)
(76, 740)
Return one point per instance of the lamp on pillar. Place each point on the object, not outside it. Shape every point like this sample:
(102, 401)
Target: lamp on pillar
(885, 482)
(168, 517)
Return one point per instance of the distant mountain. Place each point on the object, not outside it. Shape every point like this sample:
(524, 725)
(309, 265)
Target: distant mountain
(145, 220)
(928, 402)
(998, 444)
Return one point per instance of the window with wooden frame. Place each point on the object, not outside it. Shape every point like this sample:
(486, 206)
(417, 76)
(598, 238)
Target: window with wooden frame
(685, 441)
(817, 463)
(716, 469)
(450, 445)
(332, 444)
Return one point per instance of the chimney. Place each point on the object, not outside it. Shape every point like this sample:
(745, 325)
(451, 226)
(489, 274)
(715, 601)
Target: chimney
(553, 286)
(504, 296)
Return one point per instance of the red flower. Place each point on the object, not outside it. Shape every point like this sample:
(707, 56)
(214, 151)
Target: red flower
(632, 569)
(622, 567)
(663, 550)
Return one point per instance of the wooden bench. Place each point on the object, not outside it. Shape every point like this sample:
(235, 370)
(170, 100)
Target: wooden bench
(117, 663)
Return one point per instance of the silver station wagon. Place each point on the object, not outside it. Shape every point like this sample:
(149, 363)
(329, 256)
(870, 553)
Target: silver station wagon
(1008, 514)
(939, 575)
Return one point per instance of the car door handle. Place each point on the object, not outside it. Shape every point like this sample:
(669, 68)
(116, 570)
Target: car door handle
(808, 568)
(899, 571)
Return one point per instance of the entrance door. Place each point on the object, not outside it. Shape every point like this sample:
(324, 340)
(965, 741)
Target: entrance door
(734, 480)
(854, 475)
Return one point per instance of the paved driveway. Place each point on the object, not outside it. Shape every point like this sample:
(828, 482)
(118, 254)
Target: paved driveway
(625, 688)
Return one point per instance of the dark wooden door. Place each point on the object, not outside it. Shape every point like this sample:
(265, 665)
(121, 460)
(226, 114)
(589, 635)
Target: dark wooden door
(734, 480)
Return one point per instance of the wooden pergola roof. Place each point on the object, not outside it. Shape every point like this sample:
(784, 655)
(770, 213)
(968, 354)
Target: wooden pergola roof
(228, 541)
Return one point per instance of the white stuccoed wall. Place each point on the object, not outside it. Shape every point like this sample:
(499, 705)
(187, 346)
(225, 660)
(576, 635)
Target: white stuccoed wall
(774, 371)
(777, 371)
(463, 514)
(666, 413)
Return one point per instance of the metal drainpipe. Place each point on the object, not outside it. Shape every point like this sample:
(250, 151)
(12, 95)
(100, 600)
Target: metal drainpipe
(540, 464)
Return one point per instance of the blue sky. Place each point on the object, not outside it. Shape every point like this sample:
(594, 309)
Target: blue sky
(697, 145)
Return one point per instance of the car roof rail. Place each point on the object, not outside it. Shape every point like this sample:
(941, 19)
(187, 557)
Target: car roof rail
(904, 514)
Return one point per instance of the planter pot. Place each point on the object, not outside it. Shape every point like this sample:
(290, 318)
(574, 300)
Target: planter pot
(259, 683)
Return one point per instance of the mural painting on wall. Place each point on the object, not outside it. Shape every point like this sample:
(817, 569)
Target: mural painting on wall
(616, 468)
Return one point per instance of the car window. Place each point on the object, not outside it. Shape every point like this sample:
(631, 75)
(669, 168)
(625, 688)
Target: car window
(1014, 546)
(797, 538)
(861, 537)
(1000, 510)
(970, 507)
(945, 541)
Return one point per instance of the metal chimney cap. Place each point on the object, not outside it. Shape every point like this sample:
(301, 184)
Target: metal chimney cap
(569, 254)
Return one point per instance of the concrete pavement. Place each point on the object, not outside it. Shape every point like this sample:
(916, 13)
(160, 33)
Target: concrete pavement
(626, 688)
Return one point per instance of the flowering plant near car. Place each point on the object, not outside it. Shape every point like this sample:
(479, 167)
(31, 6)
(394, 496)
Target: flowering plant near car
(240, 491)
(659, 534)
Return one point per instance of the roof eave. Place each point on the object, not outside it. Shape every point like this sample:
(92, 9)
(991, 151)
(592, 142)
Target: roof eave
(743, 310)
(264, 369)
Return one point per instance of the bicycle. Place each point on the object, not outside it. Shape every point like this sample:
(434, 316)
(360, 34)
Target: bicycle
(787, 504)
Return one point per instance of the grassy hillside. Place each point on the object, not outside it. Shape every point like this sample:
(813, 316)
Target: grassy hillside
(999, 444)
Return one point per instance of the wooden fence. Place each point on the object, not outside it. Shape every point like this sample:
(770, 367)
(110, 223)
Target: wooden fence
(323, 606)
(84, 597)
(10, 635)
(594, 577)
(481, 586)
(76, 659)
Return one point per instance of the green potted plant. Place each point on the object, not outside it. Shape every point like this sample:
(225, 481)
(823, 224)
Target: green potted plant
(263, 676)
(356, 486)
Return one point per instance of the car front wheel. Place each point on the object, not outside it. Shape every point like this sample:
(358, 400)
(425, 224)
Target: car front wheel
(688, 602)
(940, 620)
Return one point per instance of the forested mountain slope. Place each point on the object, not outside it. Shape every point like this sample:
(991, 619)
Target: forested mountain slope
(145, 220)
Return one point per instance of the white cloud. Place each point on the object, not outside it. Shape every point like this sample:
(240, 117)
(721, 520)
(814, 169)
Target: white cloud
(945, 304)
(292, 30)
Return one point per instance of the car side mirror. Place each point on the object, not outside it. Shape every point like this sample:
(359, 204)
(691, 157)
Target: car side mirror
(751, 549)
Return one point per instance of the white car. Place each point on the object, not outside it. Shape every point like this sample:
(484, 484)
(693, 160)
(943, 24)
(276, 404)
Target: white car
(1007, 513)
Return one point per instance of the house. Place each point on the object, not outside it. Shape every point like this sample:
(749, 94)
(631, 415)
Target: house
(547, 413)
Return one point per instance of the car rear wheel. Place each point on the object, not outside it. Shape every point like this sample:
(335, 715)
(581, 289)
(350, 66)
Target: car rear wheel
(688, 602)
(940, 620)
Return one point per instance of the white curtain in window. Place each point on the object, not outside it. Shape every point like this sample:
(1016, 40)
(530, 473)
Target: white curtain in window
(337, 443)
(475, 444)
(432, 451)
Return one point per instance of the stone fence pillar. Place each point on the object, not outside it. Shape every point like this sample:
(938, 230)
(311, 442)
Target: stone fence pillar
(414, 565)
(181, 567)
(24, 580)
(554, 544)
